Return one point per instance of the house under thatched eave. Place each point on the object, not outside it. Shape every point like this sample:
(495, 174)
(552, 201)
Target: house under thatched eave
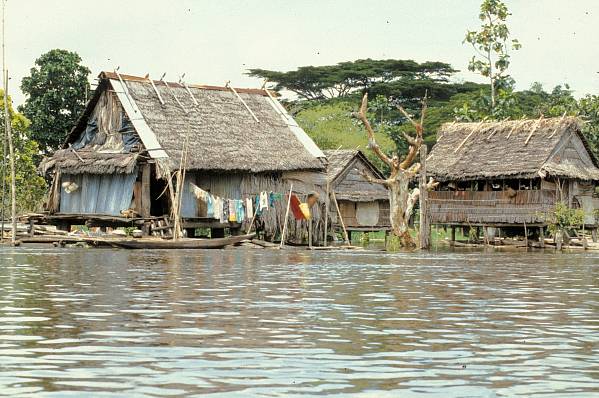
(364, 206)
(511, 172)
(232, 143)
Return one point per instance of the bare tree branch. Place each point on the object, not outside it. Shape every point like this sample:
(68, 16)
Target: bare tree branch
(371, 140)
(371, 179)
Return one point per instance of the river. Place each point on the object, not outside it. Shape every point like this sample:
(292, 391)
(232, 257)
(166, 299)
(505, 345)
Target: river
(263, 323)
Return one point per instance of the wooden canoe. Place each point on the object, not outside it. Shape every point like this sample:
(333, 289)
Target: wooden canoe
(141, 243)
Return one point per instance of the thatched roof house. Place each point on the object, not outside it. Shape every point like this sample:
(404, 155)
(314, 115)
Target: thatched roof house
(363, 205)
(511, 172)
(233, 143)
(512, 149)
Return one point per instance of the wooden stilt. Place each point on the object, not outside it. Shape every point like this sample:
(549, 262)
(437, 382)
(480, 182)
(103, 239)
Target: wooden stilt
(326, 212)
(594, 235)
(425, 225)
(286, 217)
(542, 237)
(347, 241)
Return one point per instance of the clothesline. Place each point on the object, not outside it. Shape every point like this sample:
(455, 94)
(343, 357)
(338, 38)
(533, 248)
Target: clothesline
(235, 210)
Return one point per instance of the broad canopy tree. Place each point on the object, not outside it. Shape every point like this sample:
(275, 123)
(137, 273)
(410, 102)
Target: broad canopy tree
(345, 78)
(56, 93)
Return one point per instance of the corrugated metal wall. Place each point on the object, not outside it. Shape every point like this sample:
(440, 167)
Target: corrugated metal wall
(226, 186)
(97, 194)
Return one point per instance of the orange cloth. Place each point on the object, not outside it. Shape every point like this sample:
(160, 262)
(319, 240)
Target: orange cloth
(295, 208)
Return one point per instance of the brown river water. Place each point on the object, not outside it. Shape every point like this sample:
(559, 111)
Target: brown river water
(262, 323)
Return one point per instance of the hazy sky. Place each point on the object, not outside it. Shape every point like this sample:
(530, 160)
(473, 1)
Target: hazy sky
(216, 41)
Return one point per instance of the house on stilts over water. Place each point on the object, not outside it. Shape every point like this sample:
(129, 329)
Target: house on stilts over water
(234, 152)
(364, 206)
(511, 174)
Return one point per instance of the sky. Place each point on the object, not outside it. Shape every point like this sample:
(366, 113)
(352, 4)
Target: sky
(213, 42)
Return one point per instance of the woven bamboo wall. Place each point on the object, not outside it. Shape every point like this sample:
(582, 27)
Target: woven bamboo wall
(495, 207)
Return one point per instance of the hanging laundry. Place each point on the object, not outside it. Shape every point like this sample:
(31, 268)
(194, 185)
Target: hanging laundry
(295, 208)
(240, 210)
(257, 205)
(305, 210)
(249, 209)
(263, 200)
(198, 192)
(224, 217)
(232, 211)
(271, 199)
(218, 208)
(210, 206)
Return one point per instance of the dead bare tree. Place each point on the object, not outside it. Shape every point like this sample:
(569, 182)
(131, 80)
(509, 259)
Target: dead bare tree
(401, 199)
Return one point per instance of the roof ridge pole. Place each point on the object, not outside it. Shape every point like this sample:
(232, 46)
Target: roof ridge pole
(193, 98)
(559, 124)
(536, 126)
(242, 101)
(170, 90)
(469, 135)
(156, 90)
(274, 100)
(495, 130)
(125, 89)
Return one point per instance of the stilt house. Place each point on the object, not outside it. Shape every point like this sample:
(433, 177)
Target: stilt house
(512, 173)
(120, 163)
(363, 206)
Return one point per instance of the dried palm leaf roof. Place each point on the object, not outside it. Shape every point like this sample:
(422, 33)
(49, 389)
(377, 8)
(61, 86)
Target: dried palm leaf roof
(222, 133)
(510, 149)
(69, 161)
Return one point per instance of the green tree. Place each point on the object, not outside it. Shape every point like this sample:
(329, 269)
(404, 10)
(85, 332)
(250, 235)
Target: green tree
(332, 126)
(56, 92)
(31, 187)
(492, 44)
(345, 78)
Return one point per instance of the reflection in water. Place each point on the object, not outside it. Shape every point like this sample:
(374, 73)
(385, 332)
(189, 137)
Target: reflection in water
(241, 323)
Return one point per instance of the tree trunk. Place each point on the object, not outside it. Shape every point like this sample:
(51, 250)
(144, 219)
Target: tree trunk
(400, 209)
(425, 219)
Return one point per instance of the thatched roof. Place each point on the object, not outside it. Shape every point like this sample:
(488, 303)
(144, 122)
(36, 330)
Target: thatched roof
(345, 179)
(339, 159)
(87, 162)
(222, 134)
(511, 149)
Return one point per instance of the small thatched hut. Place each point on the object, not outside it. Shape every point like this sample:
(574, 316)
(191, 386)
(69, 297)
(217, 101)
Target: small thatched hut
(119, 164)
(364, 206)
(511, 173)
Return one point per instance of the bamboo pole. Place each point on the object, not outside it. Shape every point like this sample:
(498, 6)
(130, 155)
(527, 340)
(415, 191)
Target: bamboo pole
(11, 151)
(326, 213)
(286, 217)
(4, 150)
(346, 237)
(8, 134)
(425, 225)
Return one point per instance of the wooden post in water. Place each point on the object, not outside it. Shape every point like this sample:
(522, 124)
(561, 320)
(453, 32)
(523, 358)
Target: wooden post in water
(542, 236)
(326, 212)
(425, 221)
(286, 217)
